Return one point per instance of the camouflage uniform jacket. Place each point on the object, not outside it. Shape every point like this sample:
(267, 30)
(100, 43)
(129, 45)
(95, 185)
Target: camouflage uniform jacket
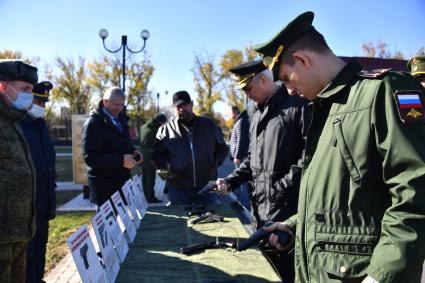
(17, 180)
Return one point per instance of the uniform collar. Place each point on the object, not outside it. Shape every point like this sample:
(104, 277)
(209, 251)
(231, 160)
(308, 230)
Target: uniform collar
(341, 80)
(277, 98)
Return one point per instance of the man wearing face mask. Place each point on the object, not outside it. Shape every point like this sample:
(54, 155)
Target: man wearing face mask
(189, 148)
(44, 157)
(17, 173)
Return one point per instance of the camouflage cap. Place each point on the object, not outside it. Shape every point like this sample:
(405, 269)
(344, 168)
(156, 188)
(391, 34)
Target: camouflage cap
(17, 70)
(245, 72)
(416, 65)
(277, 46)
(41, 90)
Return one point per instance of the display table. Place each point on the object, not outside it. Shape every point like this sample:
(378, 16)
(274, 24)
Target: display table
(155, 253)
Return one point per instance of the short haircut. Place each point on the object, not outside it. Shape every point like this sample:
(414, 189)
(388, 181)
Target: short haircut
(235, 109)
(114, 92)
(312, 41)
(266, 73)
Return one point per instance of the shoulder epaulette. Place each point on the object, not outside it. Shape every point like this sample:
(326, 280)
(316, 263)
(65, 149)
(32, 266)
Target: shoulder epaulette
(374, 74)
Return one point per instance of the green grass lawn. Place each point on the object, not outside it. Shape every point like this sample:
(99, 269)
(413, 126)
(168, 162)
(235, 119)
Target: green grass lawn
(60, 229)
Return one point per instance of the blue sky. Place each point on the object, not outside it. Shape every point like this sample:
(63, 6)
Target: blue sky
(179, 28)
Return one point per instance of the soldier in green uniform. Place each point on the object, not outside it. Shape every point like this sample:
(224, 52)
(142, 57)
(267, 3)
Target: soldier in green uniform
(147, 138)
(361, 210)
(17, 174)
(416, 66)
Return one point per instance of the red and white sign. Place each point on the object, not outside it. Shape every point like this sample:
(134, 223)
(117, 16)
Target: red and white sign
(85, 257)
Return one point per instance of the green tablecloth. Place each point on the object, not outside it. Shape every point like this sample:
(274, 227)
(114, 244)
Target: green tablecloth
(155, 253)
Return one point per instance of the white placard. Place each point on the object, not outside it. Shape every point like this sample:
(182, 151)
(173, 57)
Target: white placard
(103, 235)
(129, 195)
(129, 226)
(85, 257)
(120, 244)
(142, 202)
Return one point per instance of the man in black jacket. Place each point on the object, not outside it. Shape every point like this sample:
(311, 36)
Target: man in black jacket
(189, 148)
(274, 158)
(107, 147)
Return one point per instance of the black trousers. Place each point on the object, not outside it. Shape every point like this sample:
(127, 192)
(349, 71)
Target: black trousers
(36, 253)
(282, 262)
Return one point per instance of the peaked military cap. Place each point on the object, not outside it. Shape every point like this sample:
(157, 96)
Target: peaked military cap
(277, 46)
(41, 90)
(245, 72)
(17, 70)
(416, 65)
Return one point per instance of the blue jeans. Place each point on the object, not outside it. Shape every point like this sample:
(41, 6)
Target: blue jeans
(189, 196)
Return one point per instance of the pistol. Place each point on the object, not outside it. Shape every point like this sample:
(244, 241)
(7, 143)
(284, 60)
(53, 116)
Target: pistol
(83, 253)
(211, 186)
(207, 245)
(209, 216)
(262, 235)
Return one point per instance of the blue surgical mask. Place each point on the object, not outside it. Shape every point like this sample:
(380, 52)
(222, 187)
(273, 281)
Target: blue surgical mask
(36, 111)
(23, 100)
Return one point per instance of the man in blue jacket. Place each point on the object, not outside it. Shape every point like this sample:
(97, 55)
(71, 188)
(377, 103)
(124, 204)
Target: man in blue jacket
(44, 157)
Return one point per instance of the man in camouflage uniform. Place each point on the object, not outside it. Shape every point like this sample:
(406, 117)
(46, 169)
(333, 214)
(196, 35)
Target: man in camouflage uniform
(361, 209)
(17, 177)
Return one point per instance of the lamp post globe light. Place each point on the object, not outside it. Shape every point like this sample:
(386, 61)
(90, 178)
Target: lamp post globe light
(144, 34)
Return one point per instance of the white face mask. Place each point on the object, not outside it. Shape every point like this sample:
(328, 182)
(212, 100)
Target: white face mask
(37, 111)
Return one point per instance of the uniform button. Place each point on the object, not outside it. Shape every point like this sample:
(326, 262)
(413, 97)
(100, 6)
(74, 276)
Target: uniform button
(307, 158)
(343, 269)
(285, 203)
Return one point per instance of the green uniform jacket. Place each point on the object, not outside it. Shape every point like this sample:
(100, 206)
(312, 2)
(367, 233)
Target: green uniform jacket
(17, 180)
(362, 198)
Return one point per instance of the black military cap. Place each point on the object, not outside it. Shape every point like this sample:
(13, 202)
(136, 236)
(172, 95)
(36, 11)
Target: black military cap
(416, 65)
(181, 97)
(17, 70)
(277, 46)
(245, 72)
(41, 90)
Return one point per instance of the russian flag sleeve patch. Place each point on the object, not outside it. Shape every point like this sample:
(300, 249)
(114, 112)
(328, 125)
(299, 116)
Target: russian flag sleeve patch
(410, 106)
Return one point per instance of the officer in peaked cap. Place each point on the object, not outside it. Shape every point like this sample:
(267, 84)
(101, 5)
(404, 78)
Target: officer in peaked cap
(41, 91)
(274, 49)
(363, 173)
(43, 155)
(416, 66)
(244, 73)
(277, 134)
(17, 173)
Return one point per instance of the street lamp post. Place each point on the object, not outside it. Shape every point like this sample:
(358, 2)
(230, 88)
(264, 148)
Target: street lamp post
(157, 103)
(103, 33)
